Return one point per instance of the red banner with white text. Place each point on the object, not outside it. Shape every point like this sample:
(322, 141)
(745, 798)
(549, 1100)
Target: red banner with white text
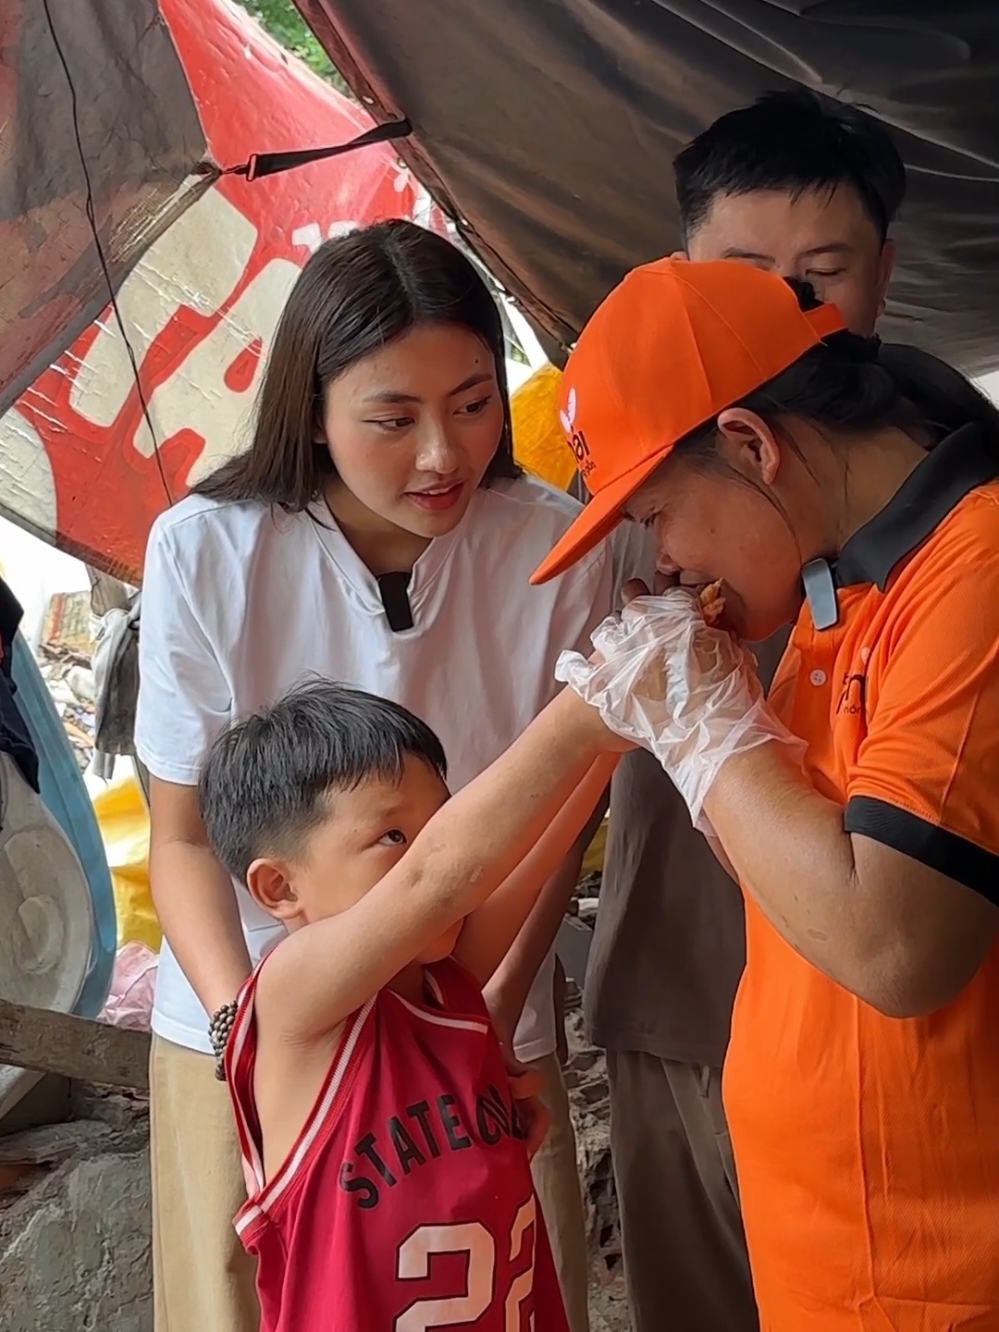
(121, 423)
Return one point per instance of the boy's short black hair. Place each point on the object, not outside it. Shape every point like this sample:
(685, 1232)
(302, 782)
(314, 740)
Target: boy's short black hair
(265, 783)
(794, 141)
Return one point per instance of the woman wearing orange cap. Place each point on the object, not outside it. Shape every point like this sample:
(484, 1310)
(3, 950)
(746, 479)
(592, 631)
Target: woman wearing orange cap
(854, 489)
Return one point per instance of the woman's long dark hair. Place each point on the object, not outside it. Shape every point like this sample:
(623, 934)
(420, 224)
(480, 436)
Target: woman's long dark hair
(356, 294)
(855, 386)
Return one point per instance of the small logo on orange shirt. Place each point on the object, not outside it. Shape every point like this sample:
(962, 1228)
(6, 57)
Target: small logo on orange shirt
(853, 698)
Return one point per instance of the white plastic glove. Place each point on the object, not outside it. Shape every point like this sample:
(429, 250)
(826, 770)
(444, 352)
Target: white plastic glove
(681, 689)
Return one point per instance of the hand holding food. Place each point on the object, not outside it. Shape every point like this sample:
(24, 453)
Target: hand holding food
(712, 602)
(666, 677)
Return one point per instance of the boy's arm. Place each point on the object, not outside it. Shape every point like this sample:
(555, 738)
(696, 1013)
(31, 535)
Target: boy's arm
(507, 989)
(320, 974)
(515, 917)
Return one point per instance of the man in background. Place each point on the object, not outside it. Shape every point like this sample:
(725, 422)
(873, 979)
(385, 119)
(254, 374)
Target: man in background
(806, 188)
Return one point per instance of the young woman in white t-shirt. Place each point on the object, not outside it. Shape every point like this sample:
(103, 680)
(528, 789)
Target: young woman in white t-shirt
(378, 532)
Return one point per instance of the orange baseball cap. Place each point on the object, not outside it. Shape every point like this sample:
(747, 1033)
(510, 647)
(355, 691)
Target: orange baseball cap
(671, 347)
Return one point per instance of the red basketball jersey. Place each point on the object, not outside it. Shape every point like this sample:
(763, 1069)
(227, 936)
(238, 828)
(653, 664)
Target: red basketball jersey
(407, 1202)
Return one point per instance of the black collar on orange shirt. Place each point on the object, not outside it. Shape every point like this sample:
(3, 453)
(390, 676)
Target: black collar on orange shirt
(960, 462)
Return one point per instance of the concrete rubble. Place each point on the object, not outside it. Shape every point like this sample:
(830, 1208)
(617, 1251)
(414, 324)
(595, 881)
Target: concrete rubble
(75, 1221)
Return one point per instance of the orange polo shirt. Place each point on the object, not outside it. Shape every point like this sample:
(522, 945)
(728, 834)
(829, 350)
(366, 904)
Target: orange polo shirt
(868, 1147)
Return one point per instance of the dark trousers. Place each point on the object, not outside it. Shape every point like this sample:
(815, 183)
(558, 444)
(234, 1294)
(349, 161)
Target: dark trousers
(685, 1257)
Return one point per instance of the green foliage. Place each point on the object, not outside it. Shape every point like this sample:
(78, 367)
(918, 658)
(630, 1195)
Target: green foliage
(286, 25)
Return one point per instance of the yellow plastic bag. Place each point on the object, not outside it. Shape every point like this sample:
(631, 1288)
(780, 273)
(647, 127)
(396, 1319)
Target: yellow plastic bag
(124, 823)
(538, 442)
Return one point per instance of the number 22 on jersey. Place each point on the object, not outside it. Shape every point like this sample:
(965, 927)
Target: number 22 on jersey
(474, 1240)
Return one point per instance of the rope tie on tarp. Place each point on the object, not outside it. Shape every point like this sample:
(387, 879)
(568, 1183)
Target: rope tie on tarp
(259, 165)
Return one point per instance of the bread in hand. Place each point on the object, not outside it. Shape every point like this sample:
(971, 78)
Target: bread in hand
(712, 602)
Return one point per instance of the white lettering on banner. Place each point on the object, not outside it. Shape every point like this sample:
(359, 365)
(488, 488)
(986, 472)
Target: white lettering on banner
(27, 486)
(211, 246)
(197, 397)
(196, 263)
(310, 237)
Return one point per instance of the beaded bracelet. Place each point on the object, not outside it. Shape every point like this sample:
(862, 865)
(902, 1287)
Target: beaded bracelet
(219, 1030)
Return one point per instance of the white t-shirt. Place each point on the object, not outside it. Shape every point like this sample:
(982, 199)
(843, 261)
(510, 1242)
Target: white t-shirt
(240, 602)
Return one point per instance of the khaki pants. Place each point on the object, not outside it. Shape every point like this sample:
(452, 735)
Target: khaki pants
(556, 1180)
(204, 1280)
(685, 1258)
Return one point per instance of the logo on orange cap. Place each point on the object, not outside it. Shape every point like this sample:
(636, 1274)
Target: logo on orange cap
(672, 346)
(575, 438)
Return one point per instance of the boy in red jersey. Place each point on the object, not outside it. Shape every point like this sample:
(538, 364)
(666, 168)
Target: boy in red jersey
(387, 1168)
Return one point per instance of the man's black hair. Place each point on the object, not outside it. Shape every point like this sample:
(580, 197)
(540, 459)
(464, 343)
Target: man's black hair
(793, 141)
(267, 780)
